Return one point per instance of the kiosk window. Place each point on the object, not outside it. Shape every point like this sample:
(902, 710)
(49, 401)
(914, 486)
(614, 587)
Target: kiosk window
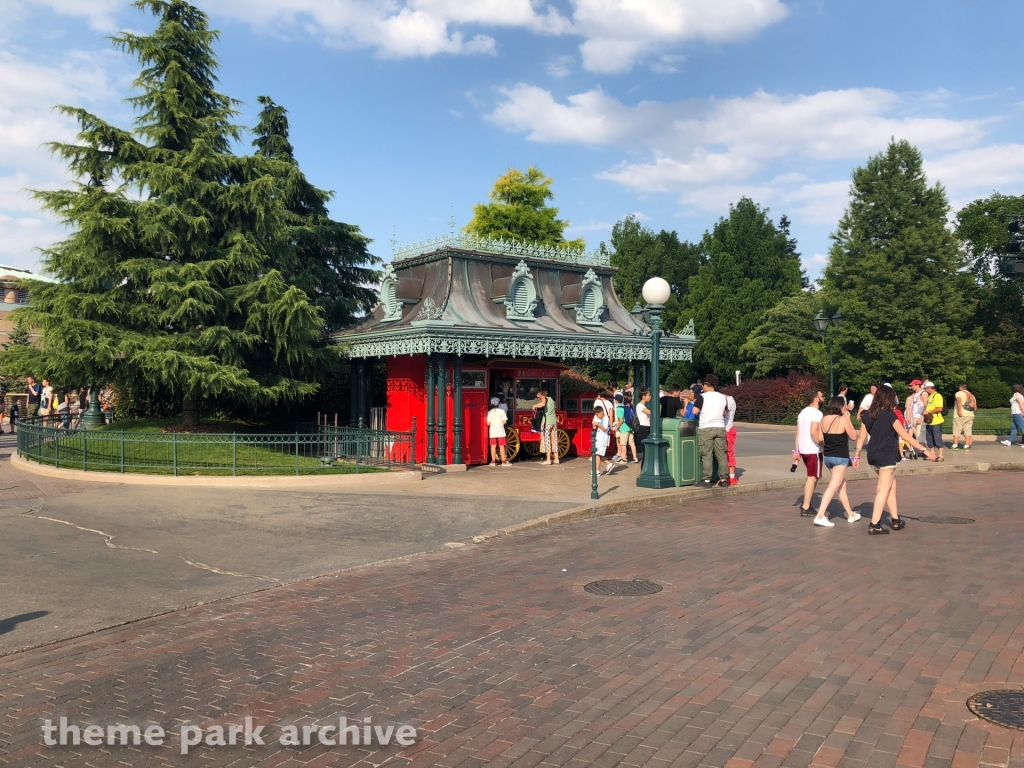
(474, 379)
(569, 405)
(527, 389)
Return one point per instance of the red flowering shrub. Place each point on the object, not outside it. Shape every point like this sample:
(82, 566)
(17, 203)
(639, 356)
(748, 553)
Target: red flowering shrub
(773, 400)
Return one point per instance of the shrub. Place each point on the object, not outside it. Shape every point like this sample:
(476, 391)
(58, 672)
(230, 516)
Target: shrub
(782, 396)
(990, 390)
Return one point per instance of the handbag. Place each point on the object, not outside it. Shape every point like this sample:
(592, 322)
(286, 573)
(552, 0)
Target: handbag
(928, 418)
(538, 420)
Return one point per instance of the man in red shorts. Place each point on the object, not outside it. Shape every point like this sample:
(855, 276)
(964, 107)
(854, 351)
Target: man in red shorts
(808, 447)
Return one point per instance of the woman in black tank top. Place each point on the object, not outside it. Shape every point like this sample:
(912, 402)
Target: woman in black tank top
(886, 431)
(837, 430)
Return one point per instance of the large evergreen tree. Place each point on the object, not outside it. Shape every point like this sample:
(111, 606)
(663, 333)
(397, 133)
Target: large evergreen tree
(786, 339)
(167, 280)
(898, 277)
(518, 210)
(639, 254)
(747, 266)
(327, 259)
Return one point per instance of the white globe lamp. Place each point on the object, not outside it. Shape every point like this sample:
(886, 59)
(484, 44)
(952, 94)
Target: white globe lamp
(656, 291)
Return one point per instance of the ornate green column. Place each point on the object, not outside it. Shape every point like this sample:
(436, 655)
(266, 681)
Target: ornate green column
(457, 414)
(442, 410)
(353, 392)
(93, 417)
(431, 394)
(656, 470)
(637, 382)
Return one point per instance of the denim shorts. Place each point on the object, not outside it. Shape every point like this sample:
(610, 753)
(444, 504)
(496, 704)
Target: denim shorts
(836, 461)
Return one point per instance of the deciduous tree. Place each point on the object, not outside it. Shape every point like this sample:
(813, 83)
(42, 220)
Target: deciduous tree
(518, 210)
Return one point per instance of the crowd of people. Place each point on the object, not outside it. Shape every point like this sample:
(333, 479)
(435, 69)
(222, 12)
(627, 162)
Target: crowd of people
(54, 407)
(891, 434)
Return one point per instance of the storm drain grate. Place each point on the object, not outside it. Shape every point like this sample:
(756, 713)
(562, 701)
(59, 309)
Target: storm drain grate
(616, 588)
(1005, 708)
(946, 520)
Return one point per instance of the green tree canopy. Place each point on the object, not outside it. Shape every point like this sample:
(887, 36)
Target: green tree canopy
(167, 280)
(981, 228)
(518, 210)
(786, 339)
(898, 276)
(326, 259)
(747, 265)
(640, 254)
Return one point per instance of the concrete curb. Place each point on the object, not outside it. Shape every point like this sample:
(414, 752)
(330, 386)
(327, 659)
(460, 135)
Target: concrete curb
(284, 482)
(690, 494)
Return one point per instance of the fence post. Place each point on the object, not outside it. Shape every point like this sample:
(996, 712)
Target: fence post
(174, 452)
(122, 451)
(56, 452)
(296, 453)
(412, 443)
(234, 454)
(85, 450)
(593, 464)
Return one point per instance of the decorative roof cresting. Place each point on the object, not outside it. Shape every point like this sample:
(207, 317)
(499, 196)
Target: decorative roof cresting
(499, 247)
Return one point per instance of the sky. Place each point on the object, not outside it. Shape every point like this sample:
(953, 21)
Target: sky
(669, 110)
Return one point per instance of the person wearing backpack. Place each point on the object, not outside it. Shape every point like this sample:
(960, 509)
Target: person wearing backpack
(624, 418)
(963, 418)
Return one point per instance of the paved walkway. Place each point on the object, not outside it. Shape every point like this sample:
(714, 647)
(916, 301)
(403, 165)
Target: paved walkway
(772, 643)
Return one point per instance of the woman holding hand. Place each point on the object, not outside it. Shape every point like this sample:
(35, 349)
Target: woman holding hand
(879, 422)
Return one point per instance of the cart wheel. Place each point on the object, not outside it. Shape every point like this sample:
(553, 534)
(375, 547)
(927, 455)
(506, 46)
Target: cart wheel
(564, 444)
(512, 443)
(532, 448)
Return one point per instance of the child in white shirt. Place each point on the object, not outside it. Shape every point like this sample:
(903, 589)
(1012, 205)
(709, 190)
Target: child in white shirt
(602, 439)
(496, 420)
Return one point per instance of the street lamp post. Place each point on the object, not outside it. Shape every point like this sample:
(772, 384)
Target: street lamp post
(93, 416)
(821, 325)
(655, 473)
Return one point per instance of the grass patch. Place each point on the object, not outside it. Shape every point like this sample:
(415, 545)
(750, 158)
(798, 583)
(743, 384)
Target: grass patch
(145, 449)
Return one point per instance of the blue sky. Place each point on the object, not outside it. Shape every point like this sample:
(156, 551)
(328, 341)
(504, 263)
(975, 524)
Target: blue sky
(667, 109)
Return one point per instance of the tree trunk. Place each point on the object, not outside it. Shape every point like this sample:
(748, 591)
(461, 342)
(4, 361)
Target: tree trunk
(189, 412)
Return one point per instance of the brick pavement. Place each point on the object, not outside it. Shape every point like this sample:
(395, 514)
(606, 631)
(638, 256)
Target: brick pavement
(773, 643)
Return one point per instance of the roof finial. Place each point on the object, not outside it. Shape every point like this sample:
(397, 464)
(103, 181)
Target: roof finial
(394, 241)
(451, 223)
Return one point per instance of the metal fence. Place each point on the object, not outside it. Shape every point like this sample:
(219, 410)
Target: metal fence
(310, 449)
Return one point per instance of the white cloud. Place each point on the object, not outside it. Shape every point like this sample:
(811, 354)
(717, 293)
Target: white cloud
(619, 32)
(710, 152)
(616, 33)
(561, 66)
(101, 14)
(28, 93)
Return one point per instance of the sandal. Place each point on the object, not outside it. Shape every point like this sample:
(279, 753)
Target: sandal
(876, 528)
(899, 524)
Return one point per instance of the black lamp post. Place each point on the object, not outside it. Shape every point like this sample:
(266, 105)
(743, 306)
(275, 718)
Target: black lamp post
(656, 472)
(821, 325)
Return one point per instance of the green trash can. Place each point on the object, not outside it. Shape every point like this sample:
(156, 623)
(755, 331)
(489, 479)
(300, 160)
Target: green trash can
(671, 430)
(689, 470)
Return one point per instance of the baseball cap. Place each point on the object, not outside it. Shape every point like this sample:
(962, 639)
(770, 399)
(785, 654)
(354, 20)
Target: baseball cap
(495, 401)
(915, 383)
(618, 398)
(929, 384)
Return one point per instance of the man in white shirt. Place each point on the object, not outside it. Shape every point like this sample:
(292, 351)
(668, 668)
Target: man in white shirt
(808, 447)
(710, 407)
(866, 402)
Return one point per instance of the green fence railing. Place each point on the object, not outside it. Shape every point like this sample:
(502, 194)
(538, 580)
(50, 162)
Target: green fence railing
(311, 449)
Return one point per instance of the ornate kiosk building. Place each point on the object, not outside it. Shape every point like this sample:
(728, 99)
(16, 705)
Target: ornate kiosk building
(464, 319)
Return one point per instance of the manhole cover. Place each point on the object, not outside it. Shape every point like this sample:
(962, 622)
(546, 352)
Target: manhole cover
(614, 588)
(946, 520)
(1005, 708)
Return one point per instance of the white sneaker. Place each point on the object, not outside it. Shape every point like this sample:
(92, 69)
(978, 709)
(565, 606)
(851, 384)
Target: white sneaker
(1005, 442)
(609, 470)
(854, 519)
(824, 521)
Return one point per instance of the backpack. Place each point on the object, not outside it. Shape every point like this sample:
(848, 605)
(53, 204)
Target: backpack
(971, 404)
(629, 416)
